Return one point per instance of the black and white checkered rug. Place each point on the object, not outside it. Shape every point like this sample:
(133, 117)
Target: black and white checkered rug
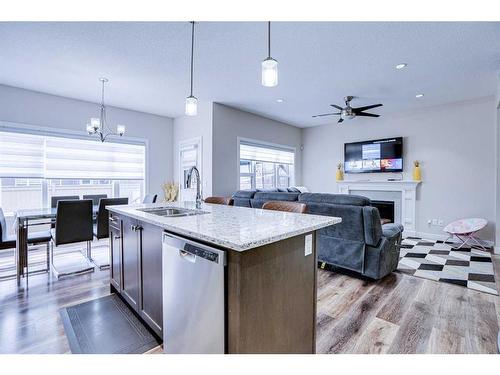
(440, 261)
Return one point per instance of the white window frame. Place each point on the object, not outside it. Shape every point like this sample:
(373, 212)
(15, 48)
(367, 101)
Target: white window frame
(263, 144)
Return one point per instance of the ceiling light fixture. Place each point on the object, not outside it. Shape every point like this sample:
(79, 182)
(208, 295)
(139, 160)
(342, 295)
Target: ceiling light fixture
(99, 126)
(401, 66)
(191, 100)
(280, 100)
(419, 96)
(269, 65)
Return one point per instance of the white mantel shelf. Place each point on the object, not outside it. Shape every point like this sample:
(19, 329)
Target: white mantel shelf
(408, 189)
(380, 182)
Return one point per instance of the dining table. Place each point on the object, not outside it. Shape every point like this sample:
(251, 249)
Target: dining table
(24, 219)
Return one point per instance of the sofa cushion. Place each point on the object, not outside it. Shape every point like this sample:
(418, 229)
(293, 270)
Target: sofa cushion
(244, 194)
(373, 227)
(345, 199)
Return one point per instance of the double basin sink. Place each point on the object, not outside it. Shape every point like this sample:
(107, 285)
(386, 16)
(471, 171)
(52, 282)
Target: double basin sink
(172, 211)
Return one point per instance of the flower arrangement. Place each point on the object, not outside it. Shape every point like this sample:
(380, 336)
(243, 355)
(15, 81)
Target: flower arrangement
(170, 191)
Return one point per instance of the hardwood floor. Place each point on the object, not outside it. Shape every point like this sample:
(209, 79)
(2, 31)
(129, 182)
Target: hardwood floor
(404, 314)
(399, 314)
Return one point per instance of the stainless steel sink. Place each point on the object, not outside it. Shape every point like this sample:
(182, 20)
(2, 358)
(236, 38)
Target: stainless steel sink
(172, 211)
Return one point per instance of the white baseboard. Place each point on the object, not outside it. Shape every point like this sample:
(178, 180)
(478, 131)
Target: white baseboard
(496, 250)
(442, 237)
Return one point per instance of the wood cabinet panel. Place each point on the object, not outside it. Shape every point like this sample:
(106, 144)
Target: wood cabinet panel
(130, 262)
(151, 308)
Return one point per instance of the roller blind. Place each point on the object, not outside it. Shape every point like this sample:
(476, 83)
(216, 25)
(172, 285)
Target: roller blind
(25, 155)
(252, 151)
(21, 155)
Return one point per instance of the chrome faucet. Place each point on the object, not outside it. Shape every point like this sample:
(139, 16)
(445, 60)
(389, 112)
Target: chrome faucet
(198, 185)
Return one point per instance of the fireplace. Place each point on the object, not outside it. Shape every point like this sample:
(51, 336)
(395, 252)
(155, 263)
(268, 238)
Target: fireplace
(386, 209)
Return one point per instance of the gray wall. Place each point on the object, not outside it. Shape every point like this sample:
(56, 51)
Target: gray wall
(34, 108)
(456, 144)
(229, 124)
(187, 127)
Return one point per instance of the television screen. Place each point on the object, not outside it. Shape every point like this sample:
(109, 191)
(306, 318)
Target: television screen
(381, 155)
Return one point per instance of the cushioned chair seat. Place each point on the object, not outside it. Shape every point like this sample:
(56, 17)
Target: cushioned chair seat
(35, 237)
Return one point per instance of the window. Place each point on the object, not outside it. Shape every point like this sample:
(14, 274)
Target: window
(265, 167)
(33, 168)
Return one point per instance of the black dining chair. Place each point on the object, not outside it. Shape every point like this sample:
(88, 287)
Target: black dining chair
(73, 225)
(101, 228)
(95, 198)
(150, 198)
(57, 198)
(34, 238)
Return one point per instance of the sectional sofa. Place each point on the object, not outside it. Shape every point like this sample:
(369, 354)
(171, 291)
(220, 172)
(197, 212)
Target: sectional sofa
(360, 243)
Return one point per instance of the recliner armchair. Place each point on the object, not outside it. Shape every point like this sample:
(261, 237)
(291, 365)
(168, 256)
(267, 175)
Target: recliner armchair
(359, 243)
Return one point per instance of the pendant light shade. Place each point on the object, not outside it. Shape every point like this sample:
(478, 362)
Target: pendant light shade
(191, 101)
(191, 106)
(269, 65)
(269, 72)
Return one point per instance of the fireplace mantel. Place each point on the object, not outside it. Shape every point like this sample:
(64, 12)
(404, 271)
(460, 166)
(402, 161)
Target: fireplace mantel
(407, 188)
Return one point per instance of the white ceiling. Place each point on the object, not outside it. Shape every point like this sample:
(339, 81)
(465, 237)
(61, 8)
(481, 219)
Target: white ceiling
(319, 63)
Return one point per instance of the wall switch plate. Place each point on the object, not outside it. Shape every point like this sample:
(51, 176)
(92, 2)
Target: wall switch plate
(308, 247)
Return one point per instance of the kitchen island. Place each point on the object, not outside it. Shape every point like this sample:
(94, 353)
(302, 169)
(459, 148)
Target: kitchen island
(254, 290)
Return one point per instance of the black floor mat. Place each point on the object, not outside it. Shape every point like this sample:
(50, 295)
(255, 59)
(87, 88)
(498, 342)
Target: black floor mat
(105, 326)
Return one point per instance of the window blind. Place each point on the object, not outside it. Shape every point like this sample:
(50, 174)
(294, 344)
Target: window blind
(21, 155)
(251, 151)
(26, 155)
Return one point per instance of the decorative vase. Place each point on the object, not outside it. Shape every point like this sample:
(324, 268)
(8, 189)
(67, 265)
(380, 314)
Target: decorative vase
(339, 176)
(417, 175)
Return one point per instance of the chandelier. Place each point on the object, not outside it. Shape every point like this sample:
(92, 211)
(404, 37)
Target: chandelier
(99, 126)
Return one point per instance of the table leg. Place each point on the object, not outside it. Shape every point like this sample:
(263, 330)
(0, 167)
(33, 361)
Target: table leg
(21, 249)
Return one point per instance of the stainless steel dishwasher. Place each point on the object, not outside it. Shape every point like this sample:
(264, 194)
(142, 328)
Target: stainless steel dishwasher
(193, 297)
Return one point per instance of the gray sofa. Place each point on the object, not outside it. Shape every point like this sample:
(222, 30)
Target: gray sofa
(360, 243)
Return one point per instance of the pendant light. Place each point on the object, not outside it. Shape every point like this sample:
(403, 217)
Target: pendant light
(191, 100)
(269, 65)
(99, 126)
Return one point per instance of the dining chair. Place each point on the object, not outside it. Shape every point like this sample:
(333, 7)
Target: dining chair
(101, 228)
(95, 198)
(34, 238)
(57, 198)
(73, 225)
(285, 206)
(150, 198)
(220, 200)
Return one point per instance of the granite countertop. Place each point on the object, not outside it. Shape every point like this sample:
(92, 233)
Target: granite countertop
(235, 228)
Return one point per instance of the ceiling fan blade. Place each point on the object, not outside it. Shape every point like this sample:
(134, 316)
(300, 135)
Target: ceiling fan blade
(327, 114)
(359, 109)
(367, 114)
(340, 120)
(336, 106)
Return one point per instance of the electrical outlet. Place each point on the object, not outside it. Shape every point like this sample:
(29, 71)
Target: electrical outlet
(440, 222)
(434, 221)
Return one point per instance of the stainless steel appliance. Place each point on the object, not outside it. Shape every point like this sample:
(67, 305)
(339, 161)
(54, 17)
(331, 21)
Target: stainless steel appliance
(193, 297)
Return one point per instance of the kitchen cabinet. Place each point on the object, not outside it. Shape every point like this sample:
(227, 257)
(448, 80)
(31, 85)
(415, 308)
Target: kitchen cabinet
(151, 304)
(136, 267)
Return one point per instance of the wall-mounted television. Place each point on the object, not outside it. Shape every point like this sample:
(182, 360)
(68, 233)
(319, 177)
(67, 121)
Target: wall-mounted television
(379, 155)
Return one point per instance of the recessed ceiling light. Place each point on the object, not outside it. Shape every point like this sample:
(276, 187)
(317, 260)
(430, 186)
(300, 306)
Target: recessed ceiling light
(419, 96)
(280, 100)
(401, 66)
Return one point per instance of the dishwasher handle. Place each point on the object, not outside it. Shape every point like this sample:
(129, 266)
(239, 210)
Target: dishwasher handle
(187, 256)
(190, 250)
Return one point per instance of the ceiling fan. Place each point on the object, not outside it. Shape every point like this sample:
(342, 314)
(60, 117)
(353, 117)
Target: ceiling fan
(348, 112)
